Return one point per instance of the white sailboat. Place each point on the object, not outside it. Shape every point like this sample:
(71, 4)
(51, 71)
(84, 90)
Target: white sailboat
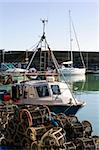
(67, 67)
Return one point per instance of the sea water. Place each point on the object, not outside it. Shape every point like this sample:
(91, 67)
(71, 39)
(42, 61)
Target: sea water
(86, 88)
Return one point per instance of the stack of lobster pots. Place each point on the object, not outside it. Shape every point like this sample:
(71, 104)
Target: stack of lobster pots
(29, 127)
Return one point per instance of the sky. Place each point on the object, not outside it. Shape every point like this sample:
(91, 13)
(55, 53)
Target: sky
(21, 26)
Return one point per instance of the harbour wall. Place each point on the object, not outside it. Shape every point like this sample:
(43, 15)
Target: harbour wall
(91, 59)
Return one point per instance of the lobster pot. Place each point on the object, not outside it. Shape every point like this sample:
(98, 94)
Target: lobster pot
(73, 127)
(4, 117)
(87, 128)
(25, 118)
(39, 115)
(67, 121)
(53, 139)
(31, 133)
(70, 146)
(26, 143)
(96, 139)
(85, 144)
(77, 130)
(34, 146)
(12, 126)
(61, 119)
(4, 142)
(40, 130)
(17, 140)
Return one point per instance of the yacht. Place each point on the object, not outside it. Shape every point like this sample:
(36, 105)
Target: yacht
(68, 68)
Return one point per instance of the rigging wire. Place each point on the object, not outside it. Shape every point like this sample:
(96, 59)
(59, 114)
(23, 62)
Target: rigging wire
(43, 38)
(77, 42)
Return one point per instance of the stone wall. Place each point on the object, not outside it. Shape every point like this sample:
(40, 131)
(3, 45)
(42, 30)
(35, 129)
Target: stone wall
(91, 59)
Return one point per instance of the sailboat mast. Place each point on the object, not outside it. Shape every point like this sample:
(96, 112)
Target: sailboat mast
(78, 44)
(71, 54)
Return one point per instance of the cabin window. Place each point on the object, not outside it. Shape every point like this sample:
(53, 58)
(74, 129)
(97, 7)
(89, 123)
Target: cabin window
(31, 92)
(25, 92)
(55, 89)
(42, 91)
(3, 67)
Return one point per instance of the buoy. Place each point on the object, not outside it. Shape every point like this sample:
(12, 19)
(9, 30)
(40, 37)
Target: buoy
(6, 97)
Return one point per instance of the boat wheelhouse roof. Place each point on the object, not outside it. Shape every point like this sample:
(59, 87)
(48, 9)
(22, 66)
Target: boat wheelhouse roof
(67, 62)
(40, 82)
(35, 82)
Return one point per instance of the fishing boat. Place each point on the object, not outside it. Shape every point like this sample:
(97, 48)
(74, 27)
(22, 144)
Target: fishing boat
(47, 89)
(67, 68)
(54, 94)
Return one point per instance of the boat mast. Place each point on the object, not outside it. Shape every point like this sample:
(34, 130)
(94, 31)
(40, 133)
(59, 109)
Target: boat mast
(46, 54)
(71, 54)
(72, 26)
(43, 48)
(39, 48)
(50, 53)
(82, 60)
(26, 59)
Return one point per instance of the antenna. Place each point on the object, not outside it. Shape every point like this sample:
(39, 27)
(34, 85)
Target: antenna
(3, 56)
(70, 36)
(44, 21)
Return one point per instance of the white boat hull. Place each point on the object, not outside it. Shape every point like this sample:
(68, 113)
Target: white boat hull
(56, 95)
(72, 71)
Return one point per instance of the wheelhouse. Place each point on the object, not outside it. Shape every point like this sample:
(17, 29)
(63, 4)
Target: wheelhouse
(39, 89)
